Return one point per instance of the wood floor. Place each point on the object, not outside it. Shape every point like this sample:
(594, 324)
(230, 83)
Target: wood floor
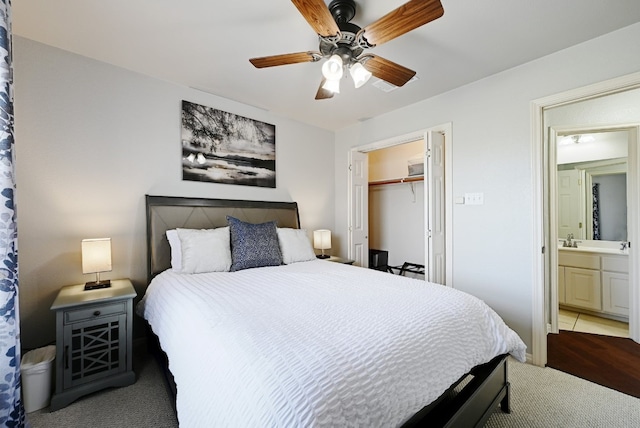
(613, 362)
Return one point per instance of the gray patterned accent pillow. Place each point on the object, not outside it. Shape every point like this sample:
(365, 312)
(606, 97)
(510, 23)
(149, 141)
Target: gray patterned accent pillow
(253, 245)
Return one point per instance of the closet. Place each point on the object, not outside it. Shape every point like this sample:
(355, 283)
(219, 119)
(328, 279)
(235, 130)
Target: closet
(396, 204)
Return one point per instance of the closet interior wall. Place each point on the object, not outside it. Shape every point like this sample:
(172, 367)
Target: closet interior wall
(397, 204)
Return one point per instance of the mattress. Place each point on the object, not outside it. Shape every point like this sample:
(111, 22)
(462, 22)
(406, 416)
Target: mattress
(316, 344)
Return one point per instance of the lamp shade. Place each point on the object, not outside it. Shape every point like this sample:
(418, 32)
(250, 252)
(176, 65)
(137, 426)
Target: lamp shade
(96, 255)
(322, 239)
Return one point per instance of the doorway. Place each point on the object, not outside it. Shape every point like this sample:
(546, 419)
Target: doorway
(588, 200)
(437, 200)
(397, 207)
(620, 89)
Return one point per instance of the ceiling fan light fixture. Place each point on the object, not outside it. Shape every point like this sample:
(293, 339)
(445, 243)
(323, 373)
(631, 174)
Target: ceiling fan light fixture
(359, 74)
(332, 68)
(332, 85)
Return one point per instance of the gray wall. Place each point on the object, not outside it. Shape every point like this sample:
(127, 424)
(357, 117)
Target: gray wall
(613, 206)
(92, 139)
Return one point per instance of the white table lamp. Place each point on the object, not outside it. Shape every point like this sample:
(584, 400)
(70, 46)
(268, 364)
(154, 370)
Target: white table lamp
(96, 258)
(322, 241)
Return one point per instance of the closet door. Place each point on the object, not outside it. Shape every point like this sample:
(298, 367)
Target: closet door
(435, 214)
(359, 215)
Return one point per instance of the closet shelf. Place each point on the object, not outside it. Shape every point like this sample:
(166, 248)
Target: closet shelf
(410, 179)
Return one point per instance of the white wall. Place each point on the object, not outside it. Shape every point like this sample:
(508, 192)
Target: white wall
(92, 139)
(493, 243)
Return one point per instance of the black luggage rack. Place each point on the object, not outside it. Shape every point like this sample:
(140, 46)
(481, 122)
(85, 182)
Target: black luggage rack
(408, 267)
(379, 259)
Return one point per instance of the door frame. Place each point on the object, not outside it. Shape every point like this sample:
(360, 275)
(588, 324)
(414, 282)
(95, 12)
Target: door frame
(447, 130)
(632, 175)
(541, 262)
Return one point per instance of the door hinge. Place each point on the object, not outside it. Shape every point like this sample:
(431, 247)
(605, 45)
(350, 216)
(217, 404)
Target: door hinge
(349, 167)
(543, 250)
(428, 233)
(428, 154)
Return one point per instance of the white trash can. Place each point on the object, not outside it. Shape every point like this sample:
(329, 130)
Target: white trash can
(36, 369)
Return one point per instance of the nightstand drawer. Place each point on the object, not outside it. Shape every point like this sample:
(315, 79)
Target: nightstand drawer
(94, 312)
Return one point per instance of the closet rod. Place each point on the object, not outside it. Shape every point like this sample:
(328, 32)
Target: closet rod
(397, 180)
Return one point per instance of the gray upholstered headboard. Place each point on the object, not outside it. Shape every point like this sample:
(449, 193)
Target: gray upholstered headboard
(167, 212)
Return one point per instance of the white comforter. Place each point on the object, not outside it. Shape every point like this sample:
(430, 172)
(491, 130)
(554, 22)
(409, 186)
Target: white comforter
(316, 344)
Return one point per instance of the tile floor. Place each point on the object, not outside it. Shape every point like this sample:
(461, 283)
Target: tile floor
(575, 321)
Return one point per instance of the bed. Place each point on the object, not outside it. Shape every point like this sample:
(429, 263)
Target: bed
(316, 343)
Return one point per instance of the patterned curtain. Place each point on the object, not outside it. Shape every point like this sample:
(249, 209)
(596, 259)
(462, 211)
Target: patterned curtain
(596, 211)
(11, 408)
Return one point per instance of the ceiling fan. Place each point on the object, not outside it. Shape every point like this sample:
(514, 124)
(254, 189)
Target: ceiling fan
(344, 43)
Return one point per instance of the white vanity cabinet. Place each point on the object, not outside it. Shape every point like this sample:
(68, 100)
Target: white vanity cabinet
(582, 284)
(615, 285)
(594, 281)
(582, 288)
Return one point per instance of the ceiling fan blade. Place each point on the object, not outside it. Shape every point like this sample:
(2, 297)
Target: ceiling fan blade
(388, 71)
(318, 16)
(322, 93)
(407, 17)
(285, 59)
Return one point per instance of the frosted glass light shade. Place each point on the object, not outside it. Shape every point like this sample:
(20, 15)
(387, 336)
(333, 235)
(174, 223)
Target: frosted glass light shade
(332, 68)
(332, 86)
(359, 74)
(96, 255)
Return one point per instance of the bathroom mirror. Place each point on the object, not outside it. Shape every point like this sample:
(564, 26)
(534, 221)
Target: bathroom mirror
(592, 185)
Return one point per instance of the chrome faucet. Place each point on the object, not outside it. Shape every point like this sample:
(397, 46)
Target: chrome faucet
(567, 242)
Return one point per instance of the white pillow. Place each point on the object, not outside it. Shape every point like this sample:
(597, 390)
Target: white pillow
(176, 250)
(205, 250)
(295, 245)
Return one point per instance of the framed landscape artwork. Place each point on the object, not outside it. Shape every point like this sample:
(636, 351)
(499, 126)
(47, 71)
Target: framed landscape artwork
(222, 147)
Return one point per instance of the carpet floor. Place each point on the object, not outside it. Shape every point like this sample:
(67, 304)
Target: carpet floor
(540, 397)
(613, 362)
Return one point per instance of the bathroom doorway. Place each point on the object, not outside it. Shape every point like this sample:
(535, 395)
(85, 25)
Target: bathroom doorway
(591, 201)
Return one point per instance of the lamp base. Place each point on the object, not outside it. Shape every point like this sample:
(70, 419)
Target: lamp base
(94, 285)
(323, 256)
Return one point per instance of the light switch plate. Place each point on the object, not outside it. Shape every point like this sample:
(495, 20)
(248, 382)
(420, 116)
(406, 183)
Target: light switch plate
(474, 198)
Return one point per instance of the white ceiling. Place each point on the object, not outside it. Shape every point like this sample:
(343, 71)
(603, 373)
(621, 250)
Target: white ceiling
(206, 44)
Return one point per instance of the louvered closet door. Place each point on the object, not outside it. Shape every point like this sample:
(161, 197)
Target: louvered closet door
(435, 208)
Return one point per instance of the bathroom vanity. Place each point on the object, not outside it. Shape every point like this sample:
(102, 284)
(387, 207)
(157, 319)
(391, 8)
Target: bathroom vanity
(595, 278)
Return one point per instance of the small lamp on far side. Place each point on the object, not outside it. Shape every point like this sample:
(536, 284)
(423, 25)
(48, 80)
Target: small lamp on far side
(322, 241)
(96, 258)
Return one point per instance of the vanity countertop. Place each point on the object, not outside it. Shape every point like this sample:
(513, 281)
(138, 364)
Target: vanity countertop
(600, 250)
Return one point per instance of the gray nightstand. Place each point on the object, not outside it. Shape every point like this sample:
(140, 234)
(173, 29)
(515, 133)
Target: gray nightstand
(340, 260)
(93, 340)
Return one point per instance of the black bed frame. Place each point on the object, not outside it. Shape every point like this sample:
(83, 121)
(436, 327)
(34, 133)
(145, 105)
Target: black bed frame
(467, 403)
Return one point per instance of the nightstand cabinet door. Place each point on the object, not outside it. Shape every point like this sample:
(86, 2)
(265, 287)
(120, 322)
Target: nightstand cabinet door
(94, 348)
